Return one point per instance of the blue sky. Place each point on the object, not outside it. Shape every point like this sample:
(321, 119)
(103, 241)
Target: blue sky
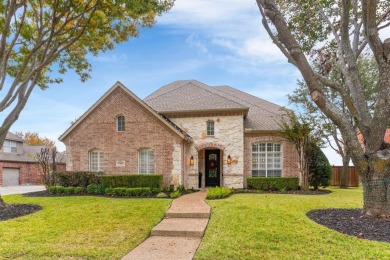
(219, 42)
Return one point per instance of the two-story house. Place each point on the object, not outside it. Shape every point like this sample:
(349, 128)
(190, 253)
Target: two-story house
(182, 129)
(18, 164)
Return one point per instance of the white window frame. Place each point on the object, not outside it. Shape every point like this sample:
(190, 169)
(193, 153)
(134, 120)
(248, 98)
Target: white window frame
(10, 146)
(210, 128)
(256, 155)
(99, 161)
(123, 124)
(146, 167)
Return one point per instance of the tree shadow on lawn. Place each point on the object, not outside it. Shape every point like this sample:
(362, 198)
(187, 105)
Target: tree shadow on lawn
(351, 222)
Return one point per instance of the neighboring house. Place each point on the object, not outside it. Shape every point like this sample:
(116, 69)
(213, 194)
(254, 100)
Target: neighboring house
(18, 164)
(180, 130)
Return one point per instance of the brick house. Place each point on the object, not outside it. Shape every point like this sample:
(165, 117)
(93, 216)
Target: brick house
(180, 130)
(18, 165)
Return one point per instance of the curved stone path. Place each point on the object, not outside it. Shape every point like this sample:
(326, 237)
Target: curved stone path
(179, 234)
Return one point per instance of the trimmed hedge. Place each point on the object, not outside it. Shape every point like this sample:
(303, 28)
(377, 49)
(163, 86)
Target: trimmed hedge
(95, 189)
(218, 193)
(134, 192)
(65, 190)
(153, 181)
(75, 179)
(273, 183)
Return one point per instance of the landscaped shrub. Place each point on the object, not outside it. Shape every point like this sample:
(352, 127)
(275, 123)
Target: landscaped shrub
(132, 181)
(95, 189)
(165, 189)
(320, 171)
(56, 189)
(69, 190)
(109, 191)
(78, 190)
(218, 193)
(273, 183)
(75, 179)
(133, 192)
(162, 195)
(175, 194)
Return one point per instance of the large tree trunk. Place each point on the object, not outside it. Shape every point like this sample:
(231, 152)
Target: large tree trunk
(344, 183)
(376, 187)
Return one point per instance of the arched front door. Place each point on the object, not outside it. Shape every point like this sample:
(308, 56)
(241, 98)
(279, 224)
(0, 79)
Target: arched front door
(212, 168)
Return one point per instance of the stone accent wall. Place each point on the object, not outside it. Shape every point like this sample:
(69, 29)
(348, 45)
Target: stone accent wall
(142, 130)
(290, 162)
(228, 137)
(29, 172)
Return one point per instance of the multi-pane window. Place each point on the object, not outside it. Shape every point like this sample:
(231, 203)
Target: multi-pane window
(120, 123)
(96, 160)
(146, 161)
(210, 127)
(266, 160)
(9, 146)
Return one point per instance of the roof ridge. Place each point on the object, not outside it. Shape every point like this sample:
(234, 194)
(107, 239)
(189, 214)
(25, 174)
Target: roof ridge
(195, 82)
(216, 93)
(216, 87)
(185, 82)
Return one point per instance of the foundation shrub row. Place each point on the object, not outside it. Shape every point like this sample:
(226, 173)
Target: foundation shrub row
(273, 183)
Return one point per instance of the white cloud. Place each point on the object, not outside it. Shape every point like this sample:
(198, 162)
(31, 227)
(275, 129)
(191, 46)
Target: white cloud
(228, 25)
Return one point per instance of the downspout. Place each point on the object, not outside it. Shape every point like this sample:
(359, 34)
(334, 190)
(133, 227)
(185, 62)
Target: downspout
(182, 161)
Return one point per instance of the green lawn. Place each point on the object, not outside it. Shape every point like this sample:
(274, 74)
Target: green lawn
(274, 226)
(79, 227)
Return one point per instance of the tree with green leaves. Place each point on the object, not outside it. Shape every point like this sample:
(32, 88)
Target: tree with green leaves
(322, 126)
(299, 133)
(320, 171)
(37, 37)
(322, 35)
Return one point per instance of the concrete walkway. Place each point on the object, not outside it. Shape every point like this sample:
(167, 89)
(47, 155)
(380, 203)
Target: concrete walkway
(7, 190)
(179, 234)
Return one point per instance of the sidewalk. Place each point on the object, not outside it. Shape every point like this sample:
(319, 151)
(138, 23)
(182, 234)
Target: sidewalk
(179, 234)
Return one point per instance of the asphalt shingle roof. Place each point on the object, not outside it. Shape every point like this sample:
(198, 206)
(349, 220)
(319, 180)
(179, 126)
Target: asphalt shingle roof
(189, 95)
(29, 152)
(192, 95)
(262, 115)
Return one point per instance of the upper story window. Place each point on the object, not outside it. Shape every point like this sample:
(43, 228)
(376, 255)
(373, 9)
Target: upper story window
(210, 127)
(96, 160)
(266, 160)
(9, 146)
(120, 123)
(146, 161)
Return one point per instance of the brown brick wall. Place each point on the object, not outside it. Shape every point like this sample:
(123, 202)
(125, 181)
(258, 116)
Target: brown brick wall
(29, 172)
(290, 156)
(143, 130)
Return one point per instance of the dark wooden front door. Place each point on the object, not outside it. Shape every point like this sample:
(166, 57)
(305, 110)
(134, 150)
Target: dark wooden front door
(212, 166)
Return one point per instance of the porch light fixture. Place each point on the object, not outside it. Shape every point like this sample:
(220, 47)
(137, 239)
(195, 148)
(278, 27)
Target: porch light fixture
(192, 162)
(229, 159)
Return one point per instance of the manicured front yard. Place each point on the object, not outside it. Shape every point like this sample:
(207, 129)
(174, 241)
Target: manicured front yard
(275, 226)
(79, 227)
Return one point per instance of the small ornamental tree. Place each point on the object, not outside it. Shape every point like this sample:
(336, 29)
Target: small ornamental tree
(320, 171)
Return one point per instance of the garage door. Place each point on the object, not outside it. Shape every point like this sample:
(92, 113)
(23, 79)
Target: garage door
(10, 177)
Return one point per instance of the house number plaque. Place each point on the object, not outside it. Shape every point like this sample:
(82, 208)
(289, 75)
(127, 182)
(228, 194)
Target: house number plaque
(120, 163)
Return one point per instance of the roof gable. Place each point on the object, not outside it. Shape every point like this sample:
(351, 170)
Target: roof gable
(14, 137)
(117, 85)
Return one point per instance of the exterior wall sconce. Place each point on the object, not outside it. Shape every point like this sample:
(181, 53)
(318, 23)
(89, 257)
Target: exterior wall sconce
(192, 161)
(229, 159)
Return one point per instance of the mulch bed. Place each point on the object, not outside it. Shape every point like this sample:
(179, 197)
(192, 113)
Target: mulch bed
(350, 222)
(11, 211)
(297, 192)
